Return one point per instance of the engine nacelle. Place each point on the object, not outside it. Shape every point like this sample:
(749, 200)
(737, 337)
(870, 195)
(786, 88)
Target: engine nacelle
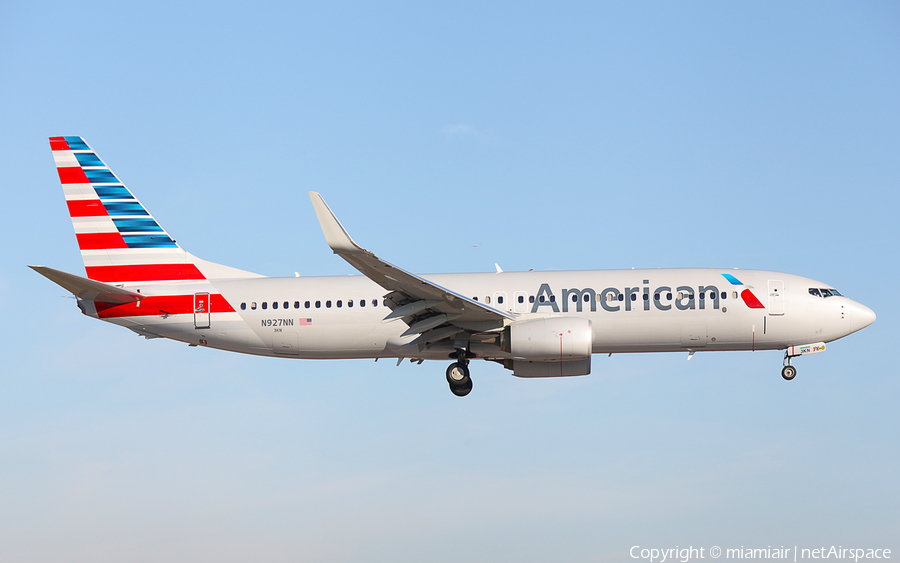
(551, 339)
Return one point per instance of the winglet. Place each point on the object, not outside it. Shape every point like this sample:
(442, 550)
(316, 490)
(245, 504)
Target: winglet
(335, 235)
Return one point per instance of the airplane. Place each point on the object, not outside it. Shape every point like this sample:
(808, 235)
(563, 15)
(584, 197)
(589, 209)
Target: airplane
(536, 324)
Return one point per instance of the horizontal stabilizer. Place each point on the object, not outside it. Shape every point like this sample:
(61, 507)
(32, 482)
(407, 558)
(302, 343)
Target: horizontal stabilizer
(89, 290)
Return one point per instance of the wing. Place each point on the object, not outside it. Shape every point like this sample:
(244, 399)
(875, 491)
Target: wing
(432, 311)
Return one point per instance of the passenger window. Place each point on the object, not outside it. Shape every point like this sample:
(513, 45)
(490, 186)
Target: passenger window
(541, 299)
(646, 297)
(306, 304)
(724, 295)
(621, 297)
(474, 299)
(669, 296)
(587, 297)
(286, 305)
(253, 305)
(362, 302)
(656, 297)
(328, 304)
(521, 299)
(296, 304)
(318, 304)
(265, 304)
(680, 295)
(243, 306)
(349, 302)
(499, 299)
(340, 303)
(531, 298)
(574, 298)
(487, 299)
(634, 296)
(553, 299)
(274, 305)
(374, 302)
(734, 294)
(703, 296)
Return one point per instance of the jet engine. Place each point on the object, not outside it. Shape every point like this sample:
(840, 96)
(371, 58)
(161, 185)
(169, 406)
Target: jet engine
(550, 347)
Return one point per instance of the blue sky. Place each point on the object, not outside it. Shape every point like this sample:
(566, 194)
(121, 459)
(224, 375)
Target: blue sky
(573, 136)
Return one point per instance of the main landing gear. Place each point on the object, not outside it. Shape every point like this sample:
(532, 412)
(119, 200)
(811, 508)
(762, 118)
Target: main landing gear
(458, 375)
(788, 372)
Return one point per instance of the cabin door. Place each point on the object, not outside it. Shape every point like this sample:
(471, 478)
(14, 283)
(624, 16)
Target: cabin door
(776, 297)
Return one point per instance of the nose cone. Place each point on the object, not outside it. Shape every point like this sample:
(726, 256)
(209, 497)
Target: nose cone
(860, 316)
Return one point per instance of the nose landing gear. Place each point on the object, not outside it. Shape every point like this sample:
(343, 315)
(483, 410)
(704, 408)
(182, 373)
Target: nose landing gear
(788, 372)
(458, 375)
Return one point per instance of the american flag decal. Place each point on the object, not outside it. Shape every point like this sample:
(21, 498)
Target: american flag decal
(304, 322)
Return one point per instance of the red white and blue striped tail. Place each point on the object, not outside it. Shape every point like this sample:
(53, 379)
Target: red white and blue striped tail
(120, 241)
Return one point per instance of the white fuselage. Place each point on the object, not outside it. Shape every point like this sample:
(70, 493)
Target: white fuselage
(630, 311)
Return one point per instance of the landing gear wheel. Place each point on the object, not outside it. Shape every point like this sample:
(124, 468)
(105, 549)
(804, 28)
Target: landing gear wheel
(462, 389)
(457, 372)
(788, 372)
(459, 380)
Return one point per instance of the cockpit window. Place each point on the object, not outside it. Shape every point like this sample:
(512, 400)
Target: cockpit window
(822, 292)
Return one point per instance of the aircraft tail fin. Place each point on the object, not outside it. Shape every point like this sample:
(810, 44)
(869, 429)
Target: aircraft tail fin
(119, 240)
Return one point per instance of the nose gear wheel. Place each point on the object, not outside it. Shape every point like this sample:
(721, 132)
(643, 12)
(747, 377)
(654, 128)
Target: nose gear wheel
(788, 372)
